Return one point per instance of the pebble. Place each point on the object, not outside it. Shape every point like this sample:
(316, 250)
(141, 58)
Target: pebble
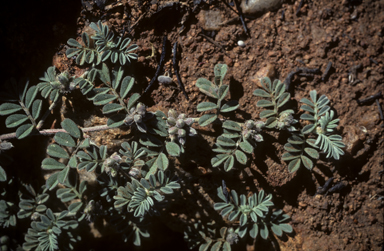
(241, 43)
(259, 6)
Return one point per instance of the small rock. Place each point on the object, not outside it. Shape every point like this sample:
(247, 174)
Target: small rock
(259, 6)
(267, 71)
(241, 43)
(210, 20)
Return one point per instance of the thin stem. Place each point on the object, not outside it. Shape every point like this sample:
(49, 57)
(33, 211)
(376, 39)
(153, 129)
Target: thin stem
(48, 132)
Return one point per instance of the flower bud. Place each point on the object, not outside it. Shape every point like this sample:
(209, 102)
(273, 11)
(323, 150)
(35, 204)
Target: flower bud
(172, 130)
(181, 133)
(180, 123)
(171, 121)
(138, 118)
(172, 113)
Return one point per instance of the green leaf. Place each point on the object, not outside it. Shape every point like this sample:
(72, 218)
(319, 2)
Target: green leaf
(132, 100)
(220, 70)
(56, 151)
(263, 231)
(102, 99)
(231, 105)
(224, 141)
(261, 93)
(294, 165)
(207, 87)
(71, 128)
(109, 108)
(162, 161)
(36, 108)
(73, 42)
(24, 130)
(30, 96)
(228, 164)
(116, 120)
(15, 120)
(223, 91)
(74, 207)
(254, 231)
(219, 159)
(312, 152)
(3, 174)
(126, 86)
(231, 125)
(308, 128)
(206, 106)
(307, 108)
(9, 108)
(63, 174)
(292, 148)
(283, 99)
(307, 116)
(64, 139)
(264, 103)
(52, 181)
(246, 147)
(207, 119)
(104, 73)
(267, 113)
(313, 95)
(241, 157)
(307, 101)
(307, 162)
(289, 156)
(276, 229)
(52, 164)
(173, 149)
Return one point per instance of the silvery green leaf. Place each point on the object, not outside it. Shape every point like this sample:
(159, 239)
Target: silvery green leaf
(286, 228)
(3, 174)
(261, 93)
(52, 164)
(222, 91)
(126, 86)
(267, 113)
(206, 106)
(207, 87)
(56, 151)
(207, 119)
(80, 60)
(312, 152)
(15, 120)
(307, 116)
(73, 42)
(162, 161)
(89, 57)
(276, 229)
(290, 155)
(307, 108)
(228, 164)
(266, 84)
(52, 181)
(125, 43)
(231, 125)
(73, 162)
(105, 55)
(227, 210)
(219, 159)
(271, 122)
(74, 207)
(323, 100)
(66, 197)
(283, 99)
(110, 108)
(114, 56)
(292, 148)
(254, 231)
(116, 120)
(294, 165)
(36, 108)
(231, 105)
(216, 246)
(30, 96)
(307, 162)
(71, 128)
(323, 110)
(24, 130)
(173, 149)
(313, 95)
(307, 101)
(72, 52)
(102, 99)
(264, 103)
(308, 128)
(264, 231)
(63, 175)
(64, 139)
(246, 147)
(224, 141)
(9, 108)
(85, 143)
(122, 58)
(220, 70)
(241, 157)
(132, 100)
(85, 39)
(150, 140)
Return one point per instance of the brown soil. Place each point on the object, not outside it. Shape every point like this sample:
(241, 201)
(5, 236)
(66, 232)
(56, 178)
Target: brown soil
(346, 33)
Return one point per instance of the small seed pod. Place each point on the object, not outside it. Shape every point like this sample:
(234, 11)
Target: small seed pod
(189, 121)
(182, 140)
(172, 114)
(182, 116)
(192, 132)
(172, 130)
(180, 123)
(258, 138)
(181, 133)
(171, 121)
(138, 118)
(249, 124)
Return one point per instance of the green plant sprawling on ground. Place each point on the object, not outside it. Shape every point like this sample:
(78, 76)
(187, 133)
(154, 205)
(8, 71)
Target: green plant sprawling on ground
(135, 183)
